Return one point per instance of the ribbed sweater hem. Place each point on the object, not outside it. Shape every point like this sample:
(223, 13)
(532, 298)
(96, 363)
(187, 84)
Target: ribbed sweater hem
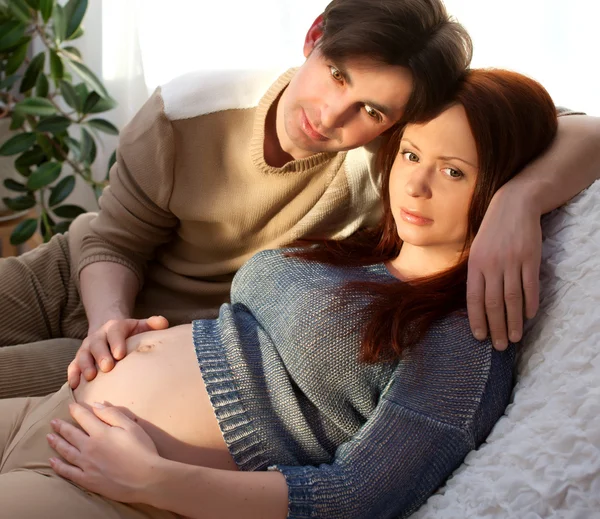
(239, 431)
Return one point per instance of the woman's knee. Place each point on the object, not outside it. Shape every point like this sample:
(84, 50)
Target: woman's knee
(27, 494)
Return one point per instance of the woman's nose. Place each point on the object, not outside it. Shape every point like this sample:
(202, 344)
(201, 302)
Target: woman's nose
(418, 183)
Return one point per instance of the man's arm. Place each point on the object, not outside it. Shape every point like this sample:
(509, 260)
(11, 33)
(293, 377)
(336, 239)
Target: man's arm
(505, 256)
(110, 250)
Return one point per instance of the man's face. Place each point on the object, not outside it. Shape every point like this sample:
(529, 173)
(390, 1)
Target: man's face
(339, 106)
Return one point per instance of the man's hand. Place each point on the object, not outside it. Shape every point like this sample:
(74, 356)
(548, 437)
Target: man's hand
(107, 345)
(504, 266)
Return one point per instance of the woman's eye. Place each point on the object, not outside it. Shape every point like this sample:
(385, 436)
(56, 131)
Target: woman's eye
(371, 112)
(336, 74)
(454, 173)
(410, 156)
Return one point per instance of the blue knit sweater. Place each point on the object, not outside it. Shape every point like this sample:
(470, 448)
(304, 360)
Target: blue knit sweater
(353, 440)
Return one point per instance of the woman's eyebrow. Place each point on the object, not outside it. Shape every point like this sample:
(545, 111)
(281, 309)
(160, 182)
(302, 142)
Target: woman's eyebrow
(457, 158)
(411, 143)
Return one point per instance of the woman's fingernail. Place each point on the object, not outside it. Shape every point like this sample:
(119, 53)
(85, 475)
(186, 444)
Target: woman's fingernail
(98, 405)
(105, 364)
(515, 336)
(51, 437)
(479, 334)
(500, 344)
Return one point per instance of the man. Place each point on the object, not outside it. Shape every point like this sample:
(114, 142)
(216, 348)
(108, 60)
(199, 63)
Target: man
(213, 169)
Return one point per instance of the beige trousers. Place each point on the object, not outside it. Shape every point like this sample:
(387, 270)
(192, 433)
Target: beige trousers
(29, 488)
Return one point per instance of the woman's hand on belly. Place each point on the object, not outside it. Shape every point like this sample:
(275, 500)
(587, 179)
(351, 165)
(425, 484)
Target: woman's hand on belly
(114, 457)
(159, 383)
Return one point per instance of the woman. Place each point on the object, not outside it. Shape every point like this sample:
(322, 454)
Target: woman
(348, 370)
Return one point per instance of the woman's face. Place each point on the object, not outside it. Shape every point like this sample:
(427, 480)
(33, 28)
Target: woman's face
(432, 181)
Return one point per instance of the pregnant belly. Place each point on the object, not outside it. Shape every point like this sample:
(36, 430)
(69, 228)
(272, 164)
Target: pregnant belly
(159, 384)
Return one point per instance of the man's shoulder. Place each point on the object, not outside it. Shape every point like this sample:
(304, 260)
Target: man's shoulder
(208, 91)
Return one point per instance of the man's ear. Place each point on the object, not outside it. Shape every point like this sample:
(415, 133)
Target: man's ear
(313, 35)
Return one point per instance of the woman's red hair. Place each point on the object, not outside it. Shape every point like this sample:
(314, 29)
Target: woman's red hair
(513, 120)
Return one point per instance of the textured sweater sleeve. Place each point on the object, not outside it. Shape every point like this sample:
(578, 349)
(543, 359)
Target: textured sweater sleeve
(134, 217)
(440, 404)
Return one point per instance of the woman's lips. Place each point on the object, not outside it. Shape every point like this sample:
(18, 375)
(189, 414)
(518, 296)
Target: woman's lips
(308, 129)
(414, 218)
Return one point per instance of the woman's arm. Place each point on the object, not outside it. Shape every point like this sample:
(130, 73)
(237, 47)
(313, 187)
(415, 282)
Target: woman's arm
(505, 256)
(442, 401)
(202, 493)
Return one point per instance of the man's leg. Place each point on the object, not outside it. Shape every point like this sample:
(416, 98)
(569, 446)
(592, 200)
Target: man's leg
(38, 299)
(35, 369)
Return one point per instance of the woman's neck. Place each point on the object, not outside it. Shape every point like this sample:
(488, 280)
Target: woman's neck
(416, 262)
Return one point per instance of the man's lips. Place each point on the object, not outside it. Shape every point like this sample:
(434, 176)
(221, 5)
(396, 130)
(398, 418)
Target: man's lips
(309, 130)
(413, 217)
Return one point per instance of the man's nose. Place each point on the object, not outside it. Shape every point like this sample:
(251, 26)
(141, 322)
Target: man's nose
(335, 113)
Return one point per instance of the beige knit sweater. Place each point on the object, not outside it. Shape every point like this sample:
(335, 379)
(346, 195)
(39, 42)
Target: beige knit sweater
(191, 197)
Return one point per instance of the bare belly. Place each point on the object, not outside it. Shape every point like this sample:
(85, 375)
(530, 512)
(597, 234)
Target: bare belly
(160, 385)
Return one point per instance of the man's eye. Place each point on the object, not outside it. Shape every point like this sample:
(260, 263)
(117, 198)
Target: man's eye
(371, 112)
(336, 74)
(409, 155)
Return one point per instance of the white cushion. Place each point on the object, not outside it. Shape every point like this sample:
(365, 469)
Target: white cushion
(542, 459)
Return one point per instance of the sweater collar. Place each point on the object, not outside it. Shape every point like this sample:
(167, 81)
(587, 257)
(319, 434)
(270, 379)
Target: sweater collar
(258, 134)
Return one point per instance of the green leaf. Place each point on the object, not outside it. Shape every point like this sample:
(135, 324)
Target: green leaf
(16, 58)
(21, 10)
(46, 7)
(53, 124)
(70, 95)
(103, 105)
(73, 52)
(88, 77)
(7, 83)
(61, 227)
(34, 4)
(24, 231)
(57, 69)
(33, 71)
(88, 147)
(111, 162)
(46, 228)
(42, 87)
(77, 34)
(10, 34)
(68, 211)
(74, 146)
(59, 20)
(74, 12)
(36, 106)
(18, 144)
(13, 185)
(45, 143)
(62, 190)
(20, 203)
(18, 119)
(98, 189)
(44, 175)
(82, 90)
(103, 126)
(90, 102)
(32, 157)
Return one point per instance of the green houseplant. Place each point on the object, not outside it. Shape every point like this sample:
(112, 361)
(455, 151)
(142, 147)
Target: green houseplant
(52, 100)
